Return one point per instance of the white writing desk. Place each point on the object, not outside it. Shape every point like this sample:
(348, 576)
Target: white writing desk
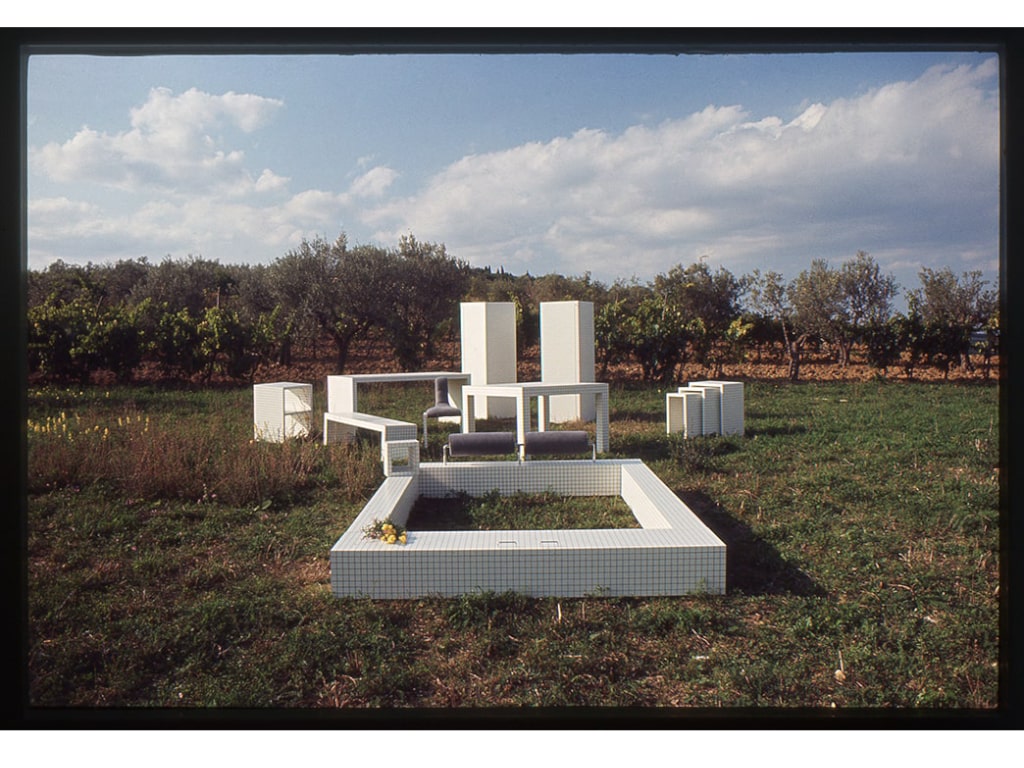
(542, 390)
(343, 391)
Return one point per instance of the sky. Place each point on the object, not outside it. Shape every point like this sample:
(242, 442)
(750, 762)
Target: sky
(617, 165)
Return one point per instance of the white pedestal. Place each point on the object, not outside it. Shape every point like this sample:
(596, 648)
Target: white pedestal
(731, 394)
(684, 412)
(489, 352)
(567, 355)
(281, 410)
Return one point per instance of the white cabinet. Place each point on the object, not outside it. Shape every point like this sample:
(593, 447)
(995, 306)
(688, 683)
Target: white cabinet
(281, 409)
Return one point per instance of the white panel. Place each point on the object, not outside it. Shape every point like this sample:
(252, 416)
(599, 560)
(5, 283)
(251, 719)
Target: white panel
(488, 336)
(684, 412)
(712, 413)
(731, 404)
(567, 355)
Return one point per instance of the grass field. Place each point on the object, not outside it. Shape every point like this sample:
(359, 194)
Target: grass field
(173, 562)
(521, 511)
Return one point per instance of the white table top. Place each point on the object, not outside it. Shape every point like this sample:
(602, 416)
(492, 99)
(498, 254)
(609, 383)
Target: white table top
(411, 376)
(538, 387)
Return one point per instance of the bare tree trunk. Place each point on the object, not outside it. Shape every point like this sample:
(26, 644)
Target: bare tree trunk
(794, 360)
(793, 346)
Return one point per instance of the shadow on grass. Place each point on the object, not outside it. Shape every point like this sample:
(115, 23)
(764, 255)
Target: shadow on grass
(753, 566)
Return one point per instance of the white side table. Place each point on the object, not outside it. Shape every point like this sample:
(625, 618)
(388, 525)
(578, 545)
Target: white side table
(281, 410)
(731, 404)
(684, 412)
(524, 390)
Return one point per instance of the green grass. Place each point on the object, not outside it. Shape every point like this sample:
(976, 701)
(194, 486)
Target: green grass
(521, 511)
(861, 519)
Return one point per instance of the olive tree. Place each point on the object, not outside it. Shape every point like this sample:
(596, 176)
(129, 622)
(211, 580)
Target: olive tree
(420, 296)
(771, 296)
(331, 287)
(867, 310)
(951, 309)
(193, 283)
(710, 304)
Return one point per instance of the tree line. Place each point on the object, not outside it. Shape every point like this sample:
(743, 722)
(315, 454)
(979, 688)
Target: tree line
(196, 317)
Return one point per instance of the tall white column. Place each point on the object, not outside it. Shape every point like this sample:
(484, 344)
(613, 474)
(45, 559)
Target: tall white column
(488, 331)
(567, 355)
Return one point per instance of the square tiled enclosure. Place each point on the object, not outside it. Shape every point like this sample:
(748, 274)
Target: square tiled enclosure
(673, 553)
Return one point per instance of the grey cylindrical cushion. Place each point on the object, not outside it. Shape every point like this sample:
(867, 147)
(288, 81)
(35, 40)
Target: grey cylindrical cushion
(559, 442)
(481, 443)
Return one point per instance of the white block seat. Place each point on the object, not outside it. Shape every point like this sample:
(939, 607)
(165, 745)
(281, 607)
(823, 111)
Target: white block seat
(684, 412)
(731, 407)
(478, 444)
(341, 428)
(441, 406)
(558, 443)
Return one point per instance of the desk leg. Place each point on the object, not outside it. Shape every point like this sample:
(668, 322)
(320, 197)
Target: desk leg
(543, 413)
(522, 421)
(468, 417)
(601, 403)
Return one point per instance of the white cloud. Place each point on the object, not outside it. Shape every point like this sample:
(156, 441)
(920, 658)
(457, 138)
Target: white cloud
(270, 181)
(839, 177)
(374, 182)
(171, 146)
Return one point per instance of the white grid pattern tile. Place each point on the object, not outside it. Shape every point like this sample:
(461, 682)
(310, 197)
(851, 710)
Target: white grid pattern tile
(488, 344)
(673, 554)
(401, 457)
(567, 355)
(569, 477)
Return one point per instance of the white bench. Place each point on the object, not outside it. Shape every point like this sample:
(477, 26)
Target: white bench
(341, 428)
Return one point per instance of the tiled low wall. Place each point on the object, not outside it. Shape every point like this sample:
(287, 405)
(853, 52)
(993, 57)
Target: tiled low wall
(673, 554)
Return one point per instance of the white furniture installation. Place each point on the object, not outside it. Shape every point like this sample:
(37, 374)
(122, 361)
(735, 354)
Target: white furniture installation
(711, 415)
(705, 408)
(684, 412)
(673, 553)
(488, 331)
(343, 390)
(281, 410)
(731, 394)
(341, 428)
(521, 392)
(567, 355)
